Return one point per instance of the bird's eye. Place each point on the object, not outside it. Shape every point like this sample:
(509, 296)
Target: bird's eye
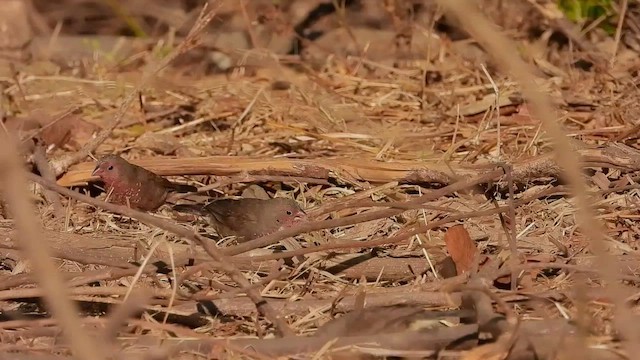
(110, 167)
(289, 212)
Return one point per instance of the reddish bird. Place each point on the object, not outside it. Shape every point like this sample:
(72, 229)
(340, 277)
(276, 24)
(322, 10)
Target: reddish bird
(248, 218)
(129, 184)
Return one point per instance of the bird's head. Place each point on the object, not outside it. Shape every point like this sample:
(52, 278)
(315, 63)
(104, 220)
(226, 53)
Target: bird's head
(109, 168)
(288, 213)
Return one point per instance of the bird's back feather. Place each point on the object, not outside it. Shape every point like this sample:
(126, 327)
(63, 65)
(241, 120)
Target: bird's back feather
(241, 218)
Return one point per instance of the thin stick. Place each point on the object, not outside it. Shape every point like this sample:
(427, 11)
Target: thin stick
(40, 159)
(384, 240)
(226, 181)
(504, 53)
(62, 164)
(29, 232)
(512, 235)
(122, 313)
(224, 263)
(399, 236)
(496, 105)
(247, 21)
(355, 219)
(623, 12)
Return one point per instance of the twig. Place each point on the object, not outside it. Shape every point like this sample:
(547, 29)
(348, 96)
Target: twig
(384, 240)
(79, 258)
(512, 235)
(190, 41)
(232, 293)
(477, 291)
(355, 219)
(212, 250)
(505, 54)
(29, 232)
(76, 278)
(130, 306)
(254, 178)
(245, 16)
(509, 226)
(40, 159)
(429, 342)
(24, 293)
(496, 110)
(399, 236)
(623, 12)
(558, 265)
(545, 166)
(242, 117)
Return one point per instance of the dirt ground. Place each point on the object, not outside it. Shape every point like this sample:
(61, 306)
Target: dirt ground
(468, 169)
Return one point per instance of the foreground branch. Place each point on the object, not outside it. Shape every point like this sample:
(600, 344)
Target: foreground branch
(212, 250)
(16, 195)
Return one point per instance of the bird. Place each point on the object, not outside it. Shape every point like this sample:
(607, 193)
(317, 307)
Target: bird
(135, 186)
(248, 218)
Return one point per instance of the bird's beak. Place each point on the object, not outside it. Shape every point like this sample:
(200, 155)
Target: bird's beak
(96, 171)
(300, 215)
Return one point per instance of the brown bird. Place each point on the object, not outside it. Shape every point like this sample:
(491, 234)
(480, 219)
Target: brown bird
(129, 184)
(248, 218)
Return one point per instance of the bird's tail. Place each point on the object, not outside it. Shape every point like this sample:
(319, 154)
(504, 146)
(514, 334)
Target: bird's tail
(183, 188)
(189, 208)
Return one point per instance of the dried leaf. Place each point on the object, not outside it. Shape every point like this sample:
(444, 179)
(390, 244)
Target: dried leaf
(461, 248)
(447, 268)
(70, 131)
(256, 192)
(58, 133)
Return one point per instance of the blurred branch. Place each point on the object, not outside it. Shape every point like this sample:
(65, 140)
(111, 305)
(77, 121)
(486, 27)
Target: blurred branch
(16, 195)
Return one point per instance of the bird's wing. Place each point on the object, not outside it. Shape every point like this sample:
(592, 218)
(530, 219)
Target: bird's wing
(157, 180)
(152, 184)
(162, 183)
(234, 216)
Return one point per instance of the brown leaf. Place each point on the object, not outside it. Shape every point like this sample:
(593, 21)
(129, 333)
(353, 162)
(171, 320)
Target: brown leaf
(58, 133)
(447, 268)
(461, 248)
(71, 132)
(256, 192)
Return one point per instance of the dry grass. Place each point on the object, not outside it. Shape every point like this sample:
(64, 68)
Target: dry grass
(384, 151)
